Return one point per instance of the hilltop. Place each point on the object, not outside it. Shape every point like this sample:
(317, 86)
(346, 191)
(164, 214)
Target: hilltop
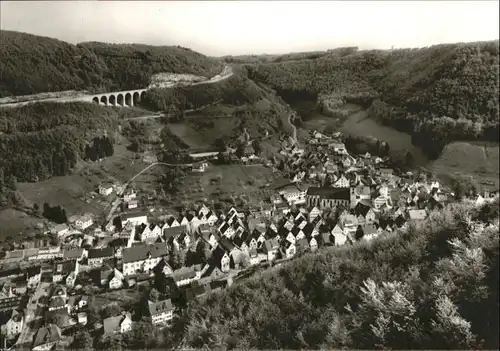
(34, 64)
(437, 94)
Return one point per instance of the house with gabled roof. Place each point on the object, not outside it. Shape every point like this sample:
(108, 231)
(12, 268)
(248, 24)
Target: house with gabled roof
(143, 258)
(172, 222)
(74, 254)
(185, 276)
(66, 271)
(33, 276)
(221, 259)
(12, 324)
(46, 338)
(271, 248)
(134, 217)
(183, 240)
(209, 273)
(417, 215)
(96, 257)
(117, 324)
(288, 249)
(160, 312)
(314, 212)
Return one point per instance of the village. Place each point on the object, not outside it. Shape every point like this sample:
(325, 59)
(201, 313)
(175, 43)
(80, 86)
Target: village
(332, 198)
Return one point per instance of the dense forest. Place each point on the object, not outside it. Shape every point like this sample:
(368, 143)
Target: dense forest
(432, 286)
(438, 94)
(33, 64)
(247, 104)
(235, 90)
(41, 140)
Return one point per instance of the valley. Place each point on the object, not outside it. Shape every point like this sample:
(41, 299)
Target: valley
(479, 160)
(233, 213)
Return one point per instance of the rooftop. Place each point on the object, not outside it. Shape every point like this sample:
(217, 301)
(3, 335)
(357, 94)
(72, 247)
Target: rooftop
(330, 193)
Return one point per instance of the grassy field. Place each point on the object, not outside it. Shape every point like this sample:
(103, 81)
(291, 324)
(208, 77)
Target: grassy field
(221, 183)
(71, 192)
(18, 224)
(124, 298)
(197, 135)
(479, 160)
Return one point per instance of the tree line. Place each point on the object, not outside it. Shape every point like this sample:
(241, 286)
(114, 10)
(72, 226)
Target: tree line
(33, 64)
(432, 286)
(437, 94)
(42, 140)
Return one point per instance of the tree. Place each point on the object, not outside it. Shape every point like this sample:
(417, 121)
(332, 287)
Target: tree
(409, 160)
(154, 295)
(177, 258)
(220, 143)
(110, 311)
(36, 208)
(257, 146)
(359, 233)
(83, 341)
(11, 182)
(240, 150)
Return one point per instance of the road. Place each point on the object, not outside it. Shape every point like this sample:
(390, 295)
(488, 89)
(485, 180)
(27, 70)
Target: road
(226, 73)
(27, 333)
(294, 129)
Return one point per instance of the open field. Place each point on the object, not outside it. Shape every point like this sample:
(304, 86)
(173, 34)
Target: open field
(222, 182)
(72, 192)
(479, 160)
(124, 298)
(18, 224)
(201, 131)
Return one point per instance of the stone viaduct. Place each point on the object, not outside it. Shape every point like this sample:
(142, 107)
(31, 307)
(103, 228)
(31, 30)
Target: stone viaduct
(119, 98)
(127, 98)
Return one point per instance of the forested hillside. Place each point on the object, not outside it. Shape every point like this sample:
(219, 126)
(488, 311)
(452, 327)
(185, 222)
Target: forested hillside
(441, 93)
(434, 286)
(41, 140)
(249, 105)
(33, 64)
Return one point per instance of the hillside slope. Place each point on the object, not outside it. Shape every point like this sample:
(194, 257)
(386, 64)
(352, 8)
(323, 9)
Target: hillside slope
(41, 140)
(33, 64)
(435, 286)
(239, 100)
(443, 93)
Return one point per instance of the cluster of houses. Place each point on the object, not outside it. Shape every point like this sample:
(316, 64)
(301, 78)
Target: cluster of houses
(333, 199)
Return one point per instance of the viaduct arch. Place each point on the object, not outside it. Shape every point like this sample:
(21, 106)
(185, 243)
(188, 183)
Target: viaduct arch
(127, 98)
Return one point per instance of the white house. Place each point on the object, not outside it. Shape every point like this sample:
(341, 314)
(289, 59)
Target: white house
(130, 195)
(161, 312)
(84, 222)
(117, 324)
(14, 325)
(342, 182)
(96, 257)
(142, 258)
(292, 194)
(313, 213)
(105, 189)
(116, 282)
(60, 230)
(136, 218)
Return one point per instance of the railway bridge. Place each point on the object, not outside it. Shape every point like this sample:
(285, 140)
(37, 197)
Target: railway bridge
(119, 98)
